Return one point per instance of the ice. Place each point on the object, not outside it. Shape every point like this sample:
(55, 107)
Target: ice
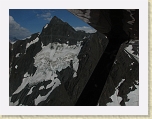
(16, 66)
(52, 58)
(45, 26)
(22, 86)
(84, 37)
(27, 38)
(120, 83)
(26, 74)
(32, 42)
(131, 87)
(75, 74)
(129, 50)
(12, 42)
(14, 104)
(42, 98)
(37, 78)
(115, 98)
(55, 57)
(133, 97)
(75, 67)
(50, 85)
(42, 87)
(57, 82)
(17, 55)
(132, 63)
(42, 45)
(30, 92)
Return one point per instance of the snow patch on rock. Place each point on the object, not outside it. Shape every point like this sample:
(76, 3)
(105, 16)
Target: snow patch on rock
(129, 50)
(45, 26)
(41, 88)
(115, 98)
(32, 42)
(17, 55)
(30, 92)
(133, 97)
(16, 66)
(52, 58)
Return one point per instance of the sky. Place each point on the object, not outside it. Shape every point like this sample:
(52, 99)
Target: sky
(24, 22)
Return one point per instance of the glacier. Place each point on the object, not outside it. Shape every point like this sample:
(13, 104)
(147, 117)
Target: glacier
(52, 58)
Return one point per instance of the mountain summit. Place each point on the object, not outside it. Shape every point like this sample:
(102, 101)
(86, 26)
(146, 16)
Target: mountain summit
(53, 67)
(47, 68)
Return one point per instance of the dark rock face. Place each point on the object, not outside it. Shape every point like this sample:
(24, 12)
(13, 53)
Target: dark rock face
(24, 61)
(22, 58)
(59, 31)
(118, 88)
(125, 70)
(119, 26)
(89, 57)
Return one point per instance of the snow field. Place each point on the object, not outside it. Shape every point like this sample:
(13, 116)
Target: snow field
(52, 58)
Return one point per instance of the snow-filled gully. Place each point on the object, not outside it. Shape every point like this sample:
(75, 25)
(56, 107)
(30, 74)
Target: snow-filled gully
(52, 58)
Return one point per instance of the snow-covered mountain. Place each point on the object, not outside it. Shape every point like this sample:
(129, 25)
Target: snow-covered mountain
(52, 68)
(122, 86)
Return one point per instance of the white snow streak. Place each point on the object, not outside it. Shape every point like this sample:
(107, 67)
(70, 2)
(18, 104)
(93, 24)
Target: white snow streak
(17, 55)
(115, 98)
(45, 26)
(16, 67)
(75, 74)
(32, 42)
(13, 104)
(42, 98)
(132, 63)
(53, 57)
(26, 75)
(42, 87)
(129, 50)
(133, 97)
(27, 38)
(22, 86)
(42, 45)
(30, 92)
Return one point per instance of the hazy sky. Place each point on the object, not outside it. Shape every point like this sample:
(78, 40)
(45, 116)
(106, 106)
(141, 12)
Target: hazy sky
(24, 22)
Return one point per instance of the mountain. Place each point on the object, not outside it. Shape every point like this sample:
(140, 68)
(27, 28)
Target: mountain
(115, 79)
(13, 39)
(122, 85)
(53, 67)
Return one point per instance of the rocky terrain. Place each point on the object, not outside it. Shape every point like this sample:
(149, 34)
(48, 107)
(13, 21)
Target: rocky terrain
(63, 67)
(53, 67)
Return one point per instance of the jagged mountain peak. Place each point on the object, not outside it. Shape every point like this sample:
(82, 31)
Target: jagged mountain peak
(60, 31)
(56, 19)
(57, 23)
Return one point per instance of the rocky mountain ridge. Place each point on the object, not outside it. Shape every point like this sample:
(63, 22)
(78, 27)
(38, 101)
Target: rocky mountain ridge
(52, 67)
